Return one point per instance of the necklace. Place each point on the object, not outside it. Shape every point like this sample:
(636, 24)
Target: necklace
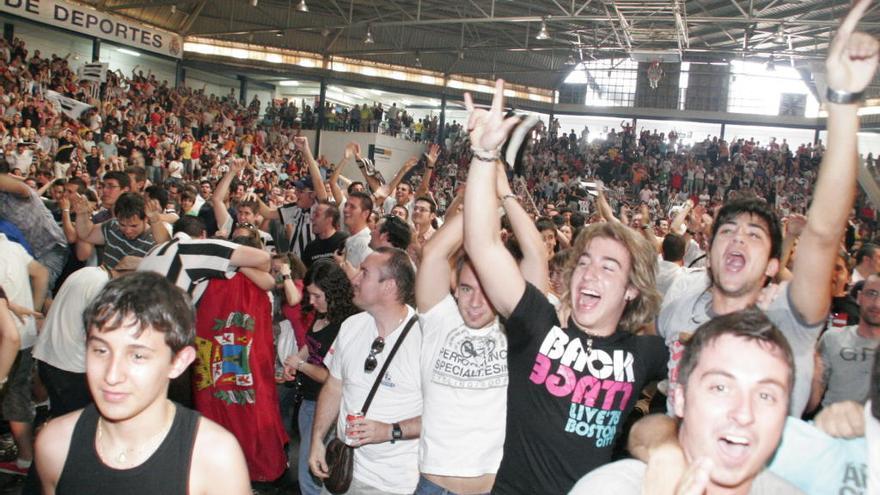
(124, 456)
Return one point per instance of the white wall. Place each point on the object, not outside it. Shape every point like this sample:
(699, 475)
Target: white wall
(50, 41)
(164, 70)
(391, 152)
(869, 142)
(688, 132)
(213, 83)
(395, 152)
(265, 96)
(795, 137)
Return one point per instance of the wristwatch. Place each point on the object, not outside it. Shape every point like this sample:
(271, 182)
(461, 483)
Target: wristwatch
(396, 432)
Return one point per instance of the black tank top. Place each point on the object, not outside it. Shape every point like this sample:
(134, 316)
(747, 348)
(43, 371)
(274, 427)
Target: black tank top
(165, 472)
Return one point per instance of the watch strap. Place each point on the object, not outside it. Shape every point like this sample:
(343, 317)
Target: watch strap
(843, 97)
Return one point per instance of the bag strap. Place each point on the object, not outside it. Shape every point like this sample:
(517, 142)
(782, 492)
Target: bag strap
(391, 354)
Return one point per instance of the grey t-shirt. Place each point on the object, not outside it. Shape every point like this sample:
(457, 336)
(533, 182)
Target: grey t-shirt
(625, 477)
(847, 358)
(694, 307)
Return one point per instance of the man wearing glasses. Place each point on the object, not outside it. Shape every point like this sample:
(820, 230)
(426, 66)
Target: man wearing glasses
(848, 353)
(385, 440)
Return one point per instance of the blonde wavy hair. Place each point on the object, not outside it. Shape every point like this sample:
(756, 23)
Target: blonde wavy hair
(643, 308)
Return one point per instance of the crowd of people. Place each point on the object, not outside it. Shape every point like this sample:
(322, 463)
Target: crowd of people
(194, 293)
(391, 120)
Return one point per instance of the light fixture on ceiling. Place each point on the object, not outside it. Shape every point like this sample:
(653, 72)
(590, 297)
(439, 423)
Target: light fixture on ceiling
(254, 3)
(369, 38)
(128, 52)
(301, 6)
(771, 63)
(543, 34)
(288, 83)
(173, 9)
(279, 34)
(779, 37)
(418, 61)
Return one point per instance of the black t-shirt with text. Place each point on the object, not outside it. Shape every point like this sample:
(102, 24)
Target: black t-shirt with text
(319, 343)
(565, 405)
(323, 248)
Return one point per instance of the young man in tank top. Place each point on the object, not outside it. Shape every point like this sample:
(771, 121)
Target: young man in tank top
(133, 439)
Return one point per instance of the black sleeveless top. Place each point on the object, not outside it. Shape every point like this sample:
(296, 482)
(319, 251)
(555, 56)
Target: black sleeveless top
(165, 472)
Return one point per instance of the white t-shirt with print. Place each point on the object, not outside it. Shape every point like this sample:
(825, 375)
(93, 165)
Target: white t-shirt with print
(388, 467)
(464, 382)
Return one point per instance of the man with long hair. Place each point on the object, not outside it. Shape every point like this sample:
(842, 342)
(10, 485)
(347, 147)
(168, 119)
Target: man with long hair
(571, 384)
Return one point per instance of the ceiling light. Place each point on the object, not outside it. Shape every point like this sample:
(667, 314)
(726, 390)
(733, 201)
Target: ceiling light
(288, 83)
(369, 38)
(543, 34)
(254, 3)
(779, 38)
(173, 9)
(418, 61)
(279, 34)
(771, 63)
(301, 6)
(128, 52)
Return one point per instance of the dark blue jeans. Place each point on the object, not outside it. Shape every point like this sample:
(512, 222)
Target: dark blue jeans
(426, 487)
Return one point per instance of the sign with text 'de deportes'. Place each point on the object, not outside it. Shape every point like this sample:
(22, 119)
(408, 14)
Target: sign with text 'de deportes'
(86, 20)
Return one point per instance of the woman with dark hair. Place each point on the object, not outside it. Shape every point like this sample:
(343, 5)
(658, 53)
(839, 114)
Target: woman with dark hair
(329, 293)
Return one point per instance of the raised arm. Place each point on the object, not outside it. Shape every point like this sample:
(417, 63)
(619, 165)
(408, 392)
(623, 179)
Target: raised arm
(433, 276)
(373, 183)
(86, 231)
(302, 143)
(66, 223)
(160, 232)
(388, 189)
(850, 67)
(218, 199)
(335, 174)
(431, 157)
(534, 265)
(648, 228)
(681, 217)
(603, 206)
(496, 268)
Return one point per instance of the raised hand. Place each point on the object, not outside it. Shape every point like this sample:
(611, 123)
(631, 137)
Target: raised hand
(795, 224)
(413, 160)
(852, 56)
(153, 209)
(488, 128)
(352, 149)
(80, 204)
(432, 154)
(301, 143)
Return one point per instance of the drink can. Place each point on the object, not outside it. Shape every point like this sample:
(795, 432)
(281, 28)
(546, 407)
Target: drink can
(351, 418)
